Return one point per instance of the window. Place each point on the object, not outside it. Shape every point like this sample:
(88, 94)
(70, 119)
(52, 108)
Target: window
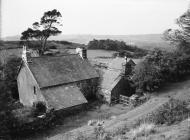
(34, 90)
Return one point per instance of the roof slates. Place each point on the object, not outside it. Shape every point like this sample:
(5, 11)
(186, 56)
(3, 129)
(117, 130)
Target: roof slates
(57, 70)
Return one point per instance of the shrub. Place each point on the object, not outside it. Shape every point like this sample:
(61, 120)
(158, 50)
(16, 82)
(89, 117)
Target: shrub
(147, 76)
(39, 108)
(122, 130)
(52, 47)
(160, 67)
(81, 136)
(172, 112)
(10, 74)
(19, 128)
(143, 130)
(4, 133)
(99, 131)
(100, 134)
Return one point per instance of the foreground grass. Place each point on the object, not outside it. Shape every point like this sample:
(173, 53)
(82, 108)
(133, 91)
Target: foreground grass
(143, 130)
(172, 112)
(168, 115)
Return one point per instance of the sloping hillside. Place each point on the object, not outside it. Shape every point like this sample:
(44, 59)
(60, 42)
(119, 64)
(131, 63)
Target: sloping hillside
(175, 90)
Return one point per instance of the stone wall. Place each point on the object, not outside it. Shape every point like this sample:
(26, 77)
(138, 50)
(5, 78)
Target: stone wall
(89, 88)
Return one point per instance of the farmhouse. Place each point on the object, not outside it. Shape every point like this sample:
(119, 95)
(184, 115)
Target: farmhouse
(116, 80)
(61, 81)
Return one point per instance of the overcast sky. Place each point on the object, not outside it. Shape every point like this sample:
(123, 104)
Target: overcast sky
(114, 17)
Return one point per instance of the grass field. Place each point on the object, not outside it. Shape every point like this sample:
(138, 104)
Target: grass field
(6, 53)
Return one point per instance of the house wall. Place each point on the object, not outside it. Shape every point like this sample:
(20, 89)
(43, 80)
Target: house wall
(122, 88)
(117, 90)
(89, 87)
(26, 84)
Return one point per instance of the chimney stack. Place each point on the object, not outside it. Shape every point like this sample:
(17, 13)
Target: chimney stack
(125, 59)
(24, 57)
(128, 68)
(84, 53)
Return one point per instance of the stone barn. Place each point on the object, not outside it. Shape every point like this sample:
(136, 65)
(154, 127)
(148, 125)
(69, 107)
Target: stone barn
(60, 82)
(116, 79)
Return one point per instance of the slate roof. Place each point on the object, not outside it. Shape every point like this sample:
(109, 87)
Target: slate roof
(56, 70)
(62, 97)
(117, 63)
(112, 76)
(131, 62)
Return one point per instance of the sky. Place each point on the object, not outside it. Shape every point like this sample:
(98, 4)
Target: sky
(100, 17)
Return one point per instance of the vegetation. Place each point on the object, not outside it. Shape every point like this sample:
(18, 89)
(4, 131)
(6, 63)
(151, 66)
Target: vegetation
(10, 72)
(42, 30)
(180, 37)
(171, 112)
(156, 69)
(39, 108)
(144, 129)
(34, 44)
(8, 94)
(120, 46)
(10, 45)
(160, 67)
(147, 76)
(99, 134)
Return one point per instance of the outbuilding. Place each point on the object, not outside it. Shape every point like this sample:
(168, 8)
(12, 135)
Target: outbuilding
(61, 81)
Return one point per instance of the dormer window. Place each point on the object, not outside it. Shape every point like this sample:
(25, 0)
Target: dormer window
(34, 90)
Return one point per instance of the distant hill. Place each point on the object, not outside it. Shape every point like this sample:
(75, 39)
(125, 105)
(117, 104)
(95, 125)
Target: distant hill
(147, 41)
(11, 38)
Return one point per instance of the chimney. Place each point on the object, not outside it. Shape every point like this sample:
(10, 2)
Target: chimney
(128, 68)
(84, 53)
(126, 59)
(24, 57)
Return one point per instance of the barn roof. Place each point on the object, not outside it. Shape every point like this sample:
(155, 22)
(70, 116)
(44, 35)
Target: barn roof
(62, 97)
(112, 76)
(56, 70)
(131, 62)
(117, 63)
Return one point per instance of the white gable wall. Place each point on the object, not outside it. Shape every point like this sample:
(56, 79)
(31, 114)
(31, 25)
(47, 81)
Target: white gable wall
(26, 84)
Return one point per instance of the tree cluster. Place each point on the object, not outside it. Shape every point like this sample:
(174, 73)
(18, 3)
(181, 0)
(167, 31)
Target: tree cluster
(115, 45)
(160, 67)
(180, 37)
(107, 44)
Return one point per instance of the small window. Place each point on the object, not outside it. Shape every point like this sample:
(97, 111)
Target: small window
(34, 90)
